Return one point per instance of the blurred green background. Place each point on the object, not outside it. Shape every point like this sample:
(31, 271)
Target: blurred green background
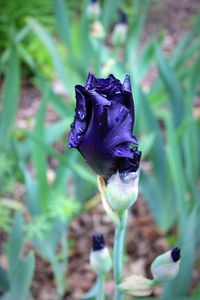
(46, 47)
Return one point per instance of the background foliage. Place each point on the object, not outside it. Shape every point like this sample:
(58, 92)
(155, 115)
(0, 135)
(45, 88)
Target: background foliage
(44, 41)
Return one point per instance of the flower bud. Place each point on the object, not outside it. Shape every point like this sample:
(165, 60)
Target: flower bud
(93, 10)
(97, 30)
(120, 31)
(100, 259)
(122, 190)
(166, 266)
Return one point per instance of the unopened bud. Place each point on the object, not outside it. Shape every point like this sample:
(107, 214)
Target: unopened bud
(97, 30)
(122, 190)
(120, 31)
(166, 266)
(100, 259)
(93, 10)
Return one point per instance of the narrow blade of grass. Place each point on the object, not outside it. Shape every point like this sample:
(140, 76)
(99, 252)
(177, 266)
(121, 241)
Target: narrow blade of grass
(63, 24)
(173, 88)
(10, 96)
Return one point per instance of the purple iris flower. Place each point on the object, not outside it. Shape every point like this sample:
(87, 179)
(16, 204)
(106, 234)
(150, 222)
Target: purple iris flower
(103, 126)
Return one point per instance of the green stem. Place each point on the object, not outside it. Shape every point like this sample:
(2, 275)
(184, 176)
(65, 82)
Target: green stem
(120, 232)
(101, 287)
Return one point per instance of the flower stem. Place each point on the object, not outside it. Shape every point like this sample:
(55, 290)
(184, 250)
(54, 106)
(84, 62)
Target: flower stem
(120, 232)
(101, 287)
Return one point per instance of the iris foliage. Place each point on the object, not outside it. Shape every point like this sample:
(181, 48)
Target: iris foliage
(68, 45)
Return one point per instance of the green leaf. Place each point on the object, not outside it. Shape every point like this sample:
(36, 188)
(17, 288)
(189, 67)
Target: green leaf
(50, 45)
(156, 187)
(173, 88)
(161, 205)
(63, 108)
(15, 245)
(193, 81)
(147, 143)
(31, 192)
(109, 9)
(189, 140)
(187, 132)
(81, 170)
(136, 28)
(82, 36)
(54, 131)
(59, 272)
(182, 50)
(26, 57)
(62, 20)
(176, 170)
(180, 285)
(149, 125)
(39, 156)
(4, 283)
(22, 279)
(22, 33)
(10, 96)
(146, 59)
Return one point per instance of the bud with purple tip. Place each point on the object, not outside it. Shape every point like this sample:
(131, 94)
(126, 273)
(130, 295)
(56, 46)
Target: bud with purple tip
(100, 259)
(166, 266)
(120, 30)
(93, 10)
(122, 189)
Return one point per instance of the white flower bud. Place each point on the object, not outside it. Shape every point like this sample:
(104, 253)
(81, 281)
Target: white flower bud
(122, 190)
(166, 266)
(119, 34)
(93, 10)
(100, 259)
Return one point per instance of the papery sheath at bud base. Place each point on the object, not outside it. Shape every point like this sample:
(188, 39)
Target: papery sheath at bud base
(137, 286)
(100, 259)
(166, 266)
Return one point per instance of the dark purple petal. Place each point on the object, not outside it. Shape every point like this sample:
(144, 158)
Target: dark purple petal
(127, 84)
(128, 96)
(176, 254)
(103, 125)
(108, 86)
(108, 135)
(79, 125)
(130, 164)
(90, 82)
